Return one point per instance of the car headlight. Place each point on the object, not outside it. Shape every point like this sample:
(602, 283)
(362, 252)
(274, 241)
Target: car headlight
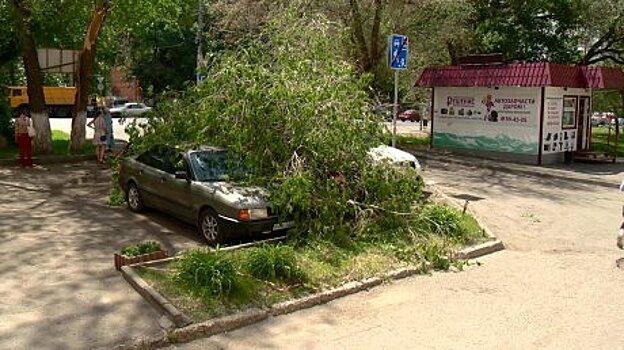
(253, 214)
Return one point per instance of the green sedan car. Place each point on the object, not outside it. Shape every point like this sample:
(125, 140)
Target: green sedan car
(193, 186)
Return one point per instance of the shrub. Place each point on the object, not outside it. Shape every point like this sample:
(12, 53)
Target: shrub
(206, 273)
(442, 220)
(141, 248)
(274, 263)
(116, 195)
(437, 255)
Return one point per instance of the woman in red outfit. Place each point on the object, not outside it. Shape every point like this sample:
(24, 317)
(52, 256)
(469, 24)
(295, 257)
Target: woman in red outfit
(23, 140)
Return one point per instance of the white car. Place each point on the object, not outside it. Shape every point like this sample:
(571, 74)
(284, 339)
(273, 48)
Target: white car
(393, 156)
(130, 109)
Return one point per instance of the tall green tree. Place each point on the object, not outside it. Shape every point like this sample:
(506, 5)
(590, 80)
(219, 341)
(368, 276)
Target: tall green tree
(602, 33)
(26, 39)
(158, 44)
(531, 30)
(84, 75)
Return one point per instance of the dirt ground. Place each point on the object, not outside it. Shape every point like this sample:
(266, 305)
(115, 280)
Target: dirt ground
(59, 288)
(556, 286)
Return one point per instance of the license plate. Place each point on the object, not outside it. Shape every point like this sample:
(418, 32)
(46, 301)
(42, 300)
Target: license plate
(283, 225)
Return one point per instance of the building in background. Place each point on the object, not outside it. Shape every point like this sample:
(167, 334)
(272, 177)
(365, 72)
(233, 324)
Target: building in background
(534, 113)
(124, 86)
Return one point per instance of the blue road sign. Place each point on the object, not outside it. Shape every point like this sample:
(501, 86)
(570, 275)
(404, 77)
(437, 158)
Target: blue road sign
(397, 51)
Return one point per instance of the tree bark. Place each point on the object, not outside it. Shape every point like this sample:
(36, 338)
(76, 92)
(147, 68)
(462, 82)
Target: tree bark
(375, 38)
(369, 49)
(608, 46)
(358, 35)
(84, 75)
(34, 78)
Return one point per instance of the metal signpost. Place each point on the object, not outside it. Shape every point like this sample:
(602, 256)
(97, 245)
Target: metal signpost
(100, 85)
(397, 60)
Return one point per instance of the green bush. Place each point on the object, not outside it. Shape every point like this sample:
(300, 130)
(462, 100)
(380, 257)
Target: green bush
(437, 255)
(116, 195)
(206, 273)
(141, 248)
(274, 263)
(442, 220)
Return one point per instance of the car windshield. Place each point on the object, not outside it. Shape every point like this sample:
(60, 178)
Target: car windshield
(216, 165)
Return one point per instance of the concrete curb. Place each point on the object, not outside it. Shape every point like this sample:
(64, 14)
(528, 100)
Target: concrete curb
(494, 245)
(155, 298)
(323, 297)
(218, 325)
(50, 160)
(480, 250)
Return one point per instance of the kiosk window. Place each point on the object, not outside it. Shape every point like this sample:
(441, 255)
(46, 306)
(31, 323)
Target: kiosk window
(569, 113)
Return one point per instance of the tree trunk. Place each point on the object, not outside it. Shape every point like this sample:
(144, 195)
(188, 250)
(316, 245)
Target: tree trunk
(34, 78)
(358, 35)
(85, 75)
(375, 38)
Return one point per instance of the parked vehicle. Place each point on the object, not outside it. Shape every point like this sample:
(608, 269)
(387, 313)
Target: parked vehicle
(130, 109)
(411, 115)
(394, 157)
(118, 101)
(59, 100)
(384, 110)
(195, 185)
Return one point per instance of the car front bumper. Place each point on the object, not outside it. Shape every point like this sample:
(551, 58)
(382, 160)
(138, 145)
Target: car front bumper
(233, 228)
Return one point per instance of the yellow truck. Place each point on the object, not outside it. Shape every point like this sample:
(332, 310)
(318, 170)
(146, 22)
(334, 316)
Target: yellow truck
(58, 100)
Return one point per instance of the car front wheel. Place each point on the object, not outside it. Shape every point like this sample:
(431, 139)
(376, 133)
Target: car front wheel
(135, 203)
(210, 228)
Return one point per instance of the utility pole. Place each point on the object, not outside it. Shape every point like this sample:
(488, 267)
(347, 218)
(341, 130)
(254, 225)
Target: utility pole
(200, 28)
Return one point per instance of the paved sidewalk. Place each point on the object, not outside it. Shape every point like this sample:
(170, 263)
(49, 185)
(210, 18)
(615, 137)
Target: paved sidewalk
(59, 288)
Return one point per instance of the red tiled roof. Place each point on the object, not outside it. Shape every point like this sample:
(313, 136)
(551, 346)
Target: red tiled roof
(604, 77)
(523, 74)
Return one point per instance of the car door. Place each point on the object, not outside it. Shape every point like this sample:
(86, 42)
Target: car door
(145, 176)
(161, 180)
(177, 191)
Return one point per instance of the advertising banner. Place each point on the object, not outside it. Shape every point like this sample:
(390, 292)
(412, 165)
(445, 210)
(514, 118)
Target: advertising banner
(500, 120)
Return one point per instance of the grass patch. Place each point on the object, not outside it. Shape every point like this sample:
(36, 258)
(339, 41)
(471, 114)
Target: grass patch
(60, 146)
(206, 284)
(599, 141)
(141, 248)
(408, 140)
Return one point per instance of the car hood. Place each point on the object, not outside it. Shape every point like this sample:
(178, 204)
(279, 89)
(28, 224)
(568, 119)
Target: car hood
(238, 196)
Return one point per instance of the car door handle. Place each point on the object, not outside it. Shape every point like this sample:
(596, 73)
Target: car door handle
(162, 179)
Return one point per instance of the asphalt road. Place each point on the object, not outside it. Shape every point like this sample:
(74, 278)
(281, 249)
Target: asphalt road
(119, 125)
(59, 288)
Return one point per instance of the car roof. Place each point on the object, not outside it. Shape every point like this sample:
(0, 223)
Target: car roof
(390, 153)
(189, 147)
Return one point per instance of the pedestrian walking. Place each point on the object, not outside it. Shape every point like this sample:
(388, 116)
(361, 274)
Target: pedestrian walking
(110, 138)
(99, 134)
(23, 138)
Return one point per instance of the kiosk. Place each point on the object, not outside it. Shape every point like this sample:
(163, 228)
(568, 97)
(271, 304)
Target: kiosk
(536, 113)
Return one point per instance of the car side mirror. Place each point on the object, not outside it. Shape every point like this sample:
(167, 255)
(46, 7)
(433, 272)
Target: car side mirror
(182, 175)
